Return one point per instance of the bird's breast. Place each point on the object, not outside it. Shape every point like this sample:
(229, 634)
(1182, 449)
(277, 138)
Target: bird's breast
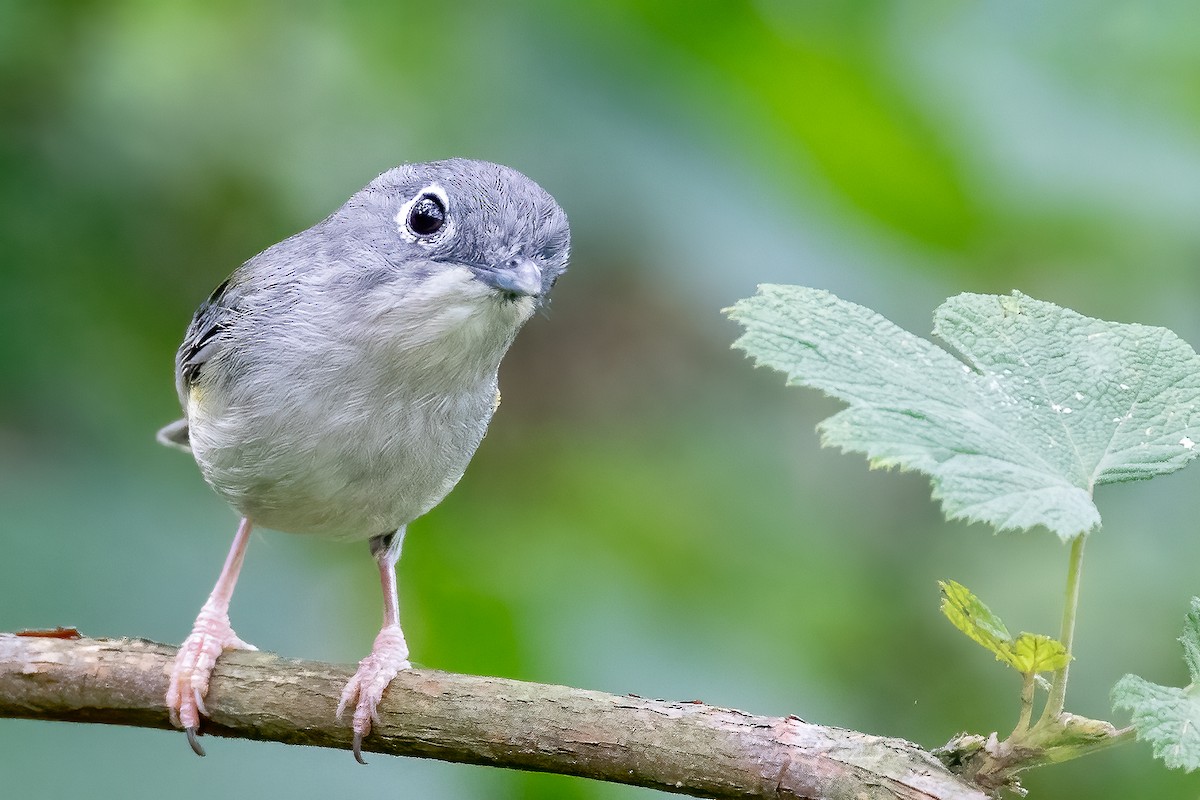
(349, 432)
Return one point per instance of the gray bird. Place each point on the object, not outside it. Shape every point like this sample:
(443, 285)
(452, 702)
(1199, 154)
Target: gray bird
(339, 382)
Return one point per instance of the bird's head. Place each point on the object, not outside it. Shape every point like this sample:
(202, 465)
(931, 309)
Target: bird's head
(455, 255)
(461, 227)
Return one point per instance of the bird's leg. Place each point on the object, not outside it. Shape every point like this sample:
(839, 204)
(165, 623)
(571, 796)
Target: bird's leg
(210, 636)
(389, 654)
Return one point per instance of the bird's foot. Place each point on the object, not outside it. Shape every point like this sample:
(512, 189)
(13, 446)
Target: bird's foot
(210, 636)
(388, 656)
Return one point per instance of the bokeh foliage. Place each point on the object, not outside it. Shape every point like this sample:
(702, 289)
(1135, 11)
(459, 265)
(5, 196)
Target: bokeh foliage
(649, 514)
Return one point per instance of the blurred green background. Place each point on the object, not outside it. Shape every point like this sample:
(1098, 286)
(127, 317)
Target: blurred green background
(649, 514)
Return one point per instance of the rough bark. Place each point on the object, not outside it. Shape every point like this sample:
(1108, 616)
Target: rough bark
(685, 747)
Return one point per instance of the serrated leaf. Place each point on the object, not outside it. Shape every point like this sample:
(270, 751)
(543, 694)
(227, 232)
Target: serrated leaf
(968, 613)
(1190, 639)
(1167, 717)
(1029, 652)
(1044, 405)
(1035, 652)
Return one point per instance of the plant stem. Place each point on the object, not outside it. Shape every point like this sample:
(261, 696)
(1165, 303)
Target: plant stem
(1027, 682)
(1058, 689)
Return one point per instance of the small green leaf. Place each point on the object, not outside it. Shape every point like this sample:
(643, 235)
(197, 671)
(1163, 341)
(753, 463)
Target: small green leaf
(1029, 652)
(1035, 652)
(1044, 404)
(1167, 717)
(968, 613)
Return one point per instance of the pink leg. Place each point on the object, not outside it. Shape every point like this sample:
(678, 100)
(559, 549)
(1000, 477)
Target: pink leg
(388, 656)
(210, 636)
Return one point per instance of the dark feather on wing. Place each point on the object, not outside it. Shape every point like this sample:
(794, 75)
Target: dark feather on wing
(203, 338)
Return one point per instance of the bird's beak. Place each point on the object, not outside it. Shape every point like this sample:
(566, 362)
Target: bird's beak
(517, 277)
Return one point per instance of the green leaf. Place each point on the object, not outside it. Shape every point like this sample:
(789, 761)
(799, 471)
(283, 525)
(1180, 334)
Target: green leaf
(1036, 652)
(968, 613)
(1044, 404)
(1029, 652)
(1167, 717)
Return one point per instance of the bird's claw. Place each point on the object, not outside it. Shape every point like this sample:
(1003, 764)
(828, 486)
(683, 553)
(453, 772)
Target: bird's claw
(195, 743)
(388, 656)
(210, 636)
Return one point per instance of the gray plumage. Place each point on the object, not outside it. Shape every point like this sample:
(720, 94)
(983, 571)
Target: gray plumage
(339, 382)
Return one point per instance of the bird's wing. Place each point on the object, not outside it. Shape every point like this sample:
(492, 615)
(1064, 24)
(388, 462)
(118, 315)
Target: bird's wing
(203, 340)
(204, 337)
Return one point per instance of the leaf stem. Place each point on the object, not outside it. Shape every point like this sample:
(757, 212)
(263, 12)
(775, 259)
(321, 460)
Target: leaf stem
(1058, 689)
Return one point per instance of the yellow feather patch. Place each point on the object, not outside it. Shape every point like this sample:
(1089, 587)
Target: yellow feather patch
(195, 398)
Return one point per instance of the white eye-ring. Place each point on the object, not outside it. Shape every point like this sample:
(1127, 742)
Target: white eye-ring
(425, 218)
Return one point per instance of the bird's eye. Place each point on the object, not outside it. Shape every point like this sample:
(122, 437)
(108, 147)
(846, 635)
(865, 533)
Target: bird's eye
(427, 215)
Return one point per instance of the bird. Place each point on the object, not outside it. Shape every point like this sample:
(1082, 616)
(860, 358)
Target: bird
(338, 383)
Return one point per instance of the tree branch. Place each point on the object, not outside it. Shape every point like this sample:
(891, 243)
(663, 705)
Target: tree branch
(684, 747)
